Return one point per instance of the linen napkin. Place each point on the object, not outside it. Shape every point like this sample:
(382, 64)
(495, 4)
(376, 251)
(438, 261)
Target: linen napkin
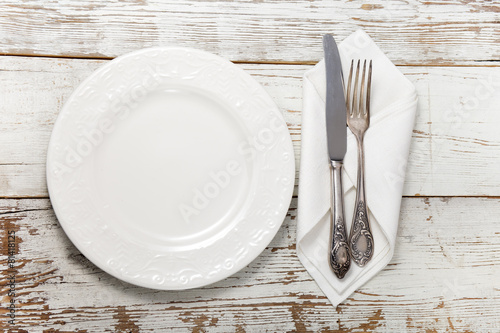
(386, 147)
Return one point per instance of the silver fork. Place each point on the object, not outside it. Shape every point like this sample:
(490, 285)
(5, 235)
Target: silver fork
(358, 120)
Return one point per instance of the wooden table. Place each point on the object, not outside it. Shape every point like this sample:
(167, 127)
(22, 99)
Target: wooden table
(445, 273)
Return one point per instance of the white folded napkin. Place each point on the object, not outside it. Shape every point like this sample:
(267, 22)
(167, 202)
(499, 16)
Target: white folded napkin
(386, 146)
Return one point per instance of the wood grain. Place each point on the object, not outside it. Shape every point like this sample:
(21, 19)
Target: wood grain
(444, 275)
(441, 277)
(455, 147)
(410, 32)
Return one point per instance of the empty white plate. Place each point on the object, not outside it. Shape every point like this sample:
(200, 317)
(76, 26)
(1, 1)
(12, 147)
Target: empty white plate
(170, 168)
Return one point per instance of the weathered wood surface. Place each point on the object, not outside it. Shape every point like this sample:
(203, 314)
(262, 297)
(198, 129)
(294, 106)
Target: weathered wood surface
(410, 32)
(443, 277)
(454, 138)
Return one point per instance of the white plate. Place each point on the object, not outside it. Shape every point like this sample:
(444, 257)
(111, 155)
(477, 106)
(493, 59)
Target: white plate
(170, 168)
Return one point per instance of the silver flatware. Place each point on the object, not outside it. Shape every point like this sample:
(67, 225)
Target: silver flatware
(358, 119)
(340, 259)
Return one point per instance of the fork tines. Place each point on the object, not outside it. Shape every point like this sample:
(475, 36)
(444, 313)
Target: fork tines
(358, 104)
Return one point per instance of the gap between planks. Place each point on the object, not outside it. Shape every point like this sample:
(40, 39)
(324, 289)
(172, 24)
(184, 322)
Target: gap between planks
(480, 63)
(295, 197)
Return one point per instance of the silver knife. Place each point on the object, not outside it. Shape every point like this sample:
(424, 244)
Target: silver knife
(336, 131)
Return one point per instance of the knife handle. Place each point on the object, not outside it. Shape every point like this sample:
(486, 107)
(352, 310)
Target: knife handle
(340, 257)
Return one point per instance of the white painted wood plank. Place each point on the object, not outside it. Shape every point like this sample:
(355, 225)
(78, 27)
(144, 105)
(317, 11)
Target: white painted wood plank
(410, 32)
(456, 146)
(455, 149)
(444, 276)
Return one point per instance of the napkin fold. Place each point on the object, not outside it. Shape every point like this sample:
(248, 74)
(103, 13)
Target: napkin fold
(386, 147)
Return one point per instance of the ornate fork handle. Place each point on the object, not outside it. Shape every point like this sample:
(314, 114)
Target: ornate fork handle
(361, 238)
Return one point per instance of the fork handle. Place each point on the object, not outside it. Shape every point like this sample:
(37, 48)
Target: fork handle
(361, 238)
(340, 259)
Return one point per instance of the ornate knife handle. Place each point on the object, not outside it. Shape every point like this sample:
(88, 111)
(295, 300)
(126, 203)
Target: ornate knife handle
(340, 258)
(361, 238)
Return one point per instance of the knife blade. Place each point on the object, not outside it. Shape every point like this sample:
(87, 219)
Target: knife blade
(335, 101)
(336, 131)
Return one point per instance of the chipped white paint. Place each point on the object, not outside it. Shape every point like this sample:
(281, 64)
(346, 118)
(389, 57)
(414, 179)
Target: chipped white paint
(444, 275)
(455, 136)
(410, 32)
(441, 277)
